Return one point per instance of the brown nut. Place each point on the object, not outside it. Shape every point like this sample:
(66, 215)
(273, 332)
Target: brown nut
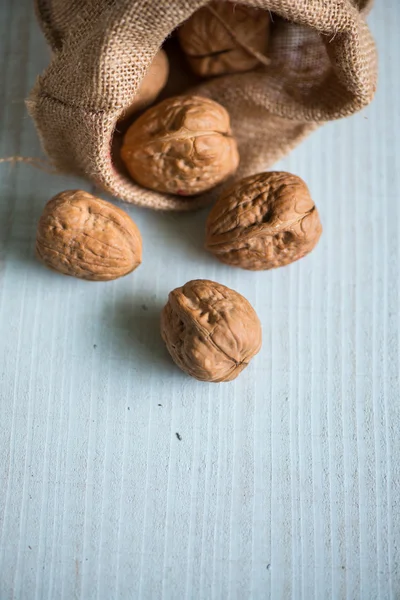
(264, 221)
(152, 84)
(183, 145)
(86, 237)
(211, 49)
(211, 331)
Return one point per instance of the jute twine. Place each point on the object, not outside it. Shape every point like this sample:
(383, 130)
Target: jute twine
(37, 163)
(264, 60)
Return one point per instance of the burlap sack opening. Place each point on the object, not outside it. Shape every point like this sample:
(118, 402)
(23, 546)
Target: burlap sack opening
(323, 67)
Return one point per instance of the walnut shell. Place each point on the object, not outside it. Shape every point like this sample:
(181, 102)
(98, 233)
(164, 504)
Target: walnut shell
(183, 145)
(211, 331)
(153, 82)
(86, 237)
(210, 47)
(264, 221)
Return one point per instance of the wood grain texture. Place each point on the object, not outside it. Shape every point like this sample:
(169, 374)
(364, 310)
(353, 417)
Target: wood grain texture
(285, 483)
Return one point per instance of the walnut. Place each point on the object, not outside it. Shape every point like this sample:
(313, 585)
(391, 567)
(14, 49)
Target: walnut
(152, 84)
(208, 38)
(86, 237)
(183, 145)
(211, 331)
(264, 221)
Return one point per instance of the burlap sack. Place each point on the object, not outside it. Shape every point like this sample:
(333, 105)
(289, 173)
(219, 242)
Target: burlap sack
(323, 66)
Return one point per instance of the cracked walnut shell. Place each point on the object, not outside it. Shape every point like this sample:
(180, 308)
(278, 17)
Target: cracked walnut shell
(183, 146)
(264, 221)
(86, 237)
(211, 331)
(208, 38)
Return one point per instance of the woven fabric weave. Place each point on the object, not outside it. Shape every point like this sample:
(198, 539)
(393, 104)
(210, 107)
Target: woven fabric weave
(323, 67)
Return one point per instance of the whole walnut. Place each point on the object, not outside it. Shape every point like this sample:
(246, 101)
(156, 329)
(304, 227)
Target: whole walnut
(211, 49)
(264, 221)
(152, 84)
(211, 331)
(86, 237)
(183, 145)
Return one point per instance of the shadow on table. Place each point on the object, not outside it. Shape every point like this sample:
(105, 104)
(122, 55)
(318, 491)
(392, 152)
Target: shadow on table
(134, 327)
(183, 233)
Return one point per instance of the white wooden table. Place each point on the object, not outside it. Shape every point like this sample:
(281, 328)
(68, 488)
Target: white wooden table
(285, 484)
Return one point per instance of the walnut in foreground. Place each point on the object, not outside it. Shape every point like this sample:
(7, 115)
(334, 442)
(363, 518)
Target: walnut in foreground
(264, 221)
(86, 237)
(212, 50)
(183, 146)
(152, 84)
(211, 331)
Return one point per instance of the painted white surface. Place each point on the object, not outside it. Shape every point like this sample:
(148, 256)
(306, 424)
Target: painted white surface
(285, 483)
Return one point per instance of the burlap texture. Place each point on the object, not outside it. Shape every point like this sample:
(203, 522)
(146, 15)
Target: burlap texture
(323, 67)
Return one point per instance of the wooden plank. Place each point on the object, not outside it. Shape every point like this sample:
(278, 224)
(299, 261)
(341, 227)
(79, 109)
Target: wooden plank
(285, 484)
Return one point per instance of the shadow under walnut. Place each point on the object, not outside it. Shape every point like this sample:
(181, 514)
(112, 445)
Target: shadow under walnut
(135, 327)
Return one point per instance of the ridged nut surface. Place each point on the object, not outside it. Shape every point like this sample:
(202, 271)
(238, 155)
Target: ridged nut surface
(264, 221)
(212, 50)
(211, 331)
(83, 236)
(184, 146)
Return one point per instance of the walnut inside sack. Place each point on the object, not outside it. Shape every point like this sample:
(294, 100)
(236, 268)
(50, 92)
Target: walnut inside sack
(217, 39)
(211, 331)
(264, 221)
(83, 236)
(153, 82)
(183, 145)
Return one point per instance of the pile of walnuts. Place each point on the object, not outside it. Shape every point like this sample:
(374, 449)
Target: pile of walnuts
(184, 145)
